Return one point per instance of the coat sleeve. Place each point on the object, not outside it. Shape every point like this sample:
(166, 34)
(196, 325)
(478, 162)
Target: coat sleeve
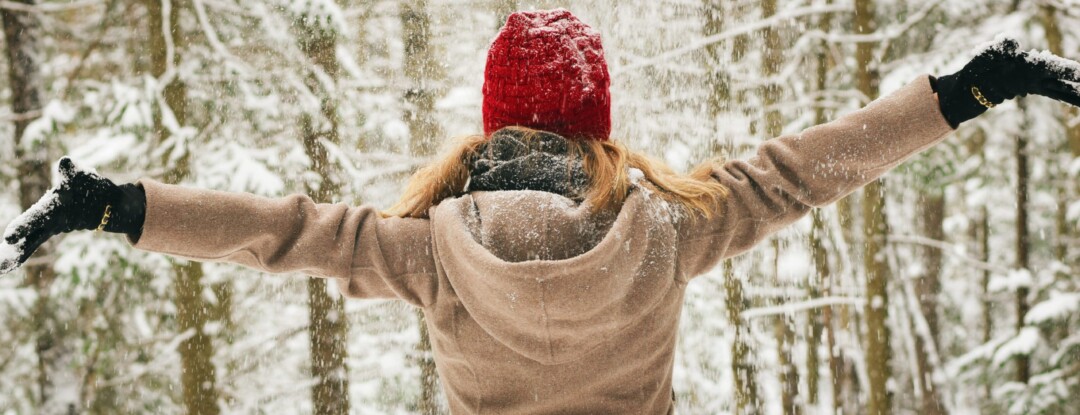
(370, 256)
(791, 174)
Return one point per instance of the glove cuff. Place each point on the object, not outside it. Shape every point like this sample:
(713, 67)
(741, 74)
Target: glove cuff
(957, 101)
(128, 210)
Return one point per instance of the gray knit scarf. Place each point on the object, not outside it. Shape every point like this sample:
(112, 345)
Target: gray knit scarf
(509, 162)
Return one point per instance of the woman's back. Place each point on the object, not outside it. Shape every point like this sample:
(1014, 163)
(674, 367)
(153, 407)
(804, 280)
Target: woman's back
(541, 308)
(589, 326)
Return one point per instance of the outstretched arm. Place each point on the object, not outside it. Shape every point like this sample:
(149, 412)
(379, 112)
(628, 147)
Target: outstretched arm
(790, 175)
(370, 256)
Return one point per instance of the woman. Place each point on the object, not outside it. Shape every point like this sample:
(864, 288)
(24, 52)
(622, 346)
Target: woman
(550, 262)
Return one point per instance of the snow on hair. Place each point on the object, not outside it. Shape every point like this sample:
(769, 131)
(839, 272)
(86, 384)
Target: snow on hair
(607, 163)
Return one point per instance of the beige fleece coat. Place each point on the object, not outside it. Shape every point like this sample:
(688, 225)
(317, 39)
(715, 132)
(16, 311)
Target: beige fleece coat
(534, 305)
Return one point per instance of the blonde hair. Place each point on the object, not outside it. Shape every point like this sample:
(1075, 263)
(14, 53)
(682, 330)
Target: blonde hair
(606, 163)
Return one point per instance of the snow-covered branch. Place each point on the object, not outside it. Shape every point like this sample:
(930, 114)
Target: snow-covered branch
(950, 249)
(728, 34)
(888, 34)
(49, 7)
(791, 308)
(212, 38)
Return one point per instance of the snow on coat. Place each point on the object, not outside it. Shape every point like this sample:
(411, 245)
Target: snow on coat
(533, 304)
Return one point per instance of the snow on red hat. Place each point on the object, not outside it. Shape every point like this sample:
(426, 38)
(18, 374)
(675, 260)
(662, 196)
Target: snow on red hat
(545, 70)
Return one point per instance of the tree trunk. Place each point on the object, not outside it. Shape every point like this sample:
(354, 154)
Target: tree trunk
(1065, 233)
(824, 321)
(742, 366)
(1023, 249)
(785, 340)
(771, 94)
(175, 92)
(845, 211)
(987, 303)
(820, 285)
(21, 31)
(197, 372)
(326, 313)
(330, 395)
(717, 80)
(878, 352)
(875, 231)
(1048, 16)
(927, 288)
(831, 319)
(423, 73)
(980, 235)
(198, 377)
(770, 66)
(846, 207)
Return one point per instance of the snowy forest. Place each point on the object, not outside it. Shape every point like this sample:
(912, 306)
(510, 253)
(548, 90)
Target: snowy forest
(952, 286)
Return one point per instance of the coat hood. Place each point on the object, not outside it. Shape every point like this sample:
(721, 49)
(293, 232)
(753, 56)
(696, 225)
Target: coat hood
(546, 277)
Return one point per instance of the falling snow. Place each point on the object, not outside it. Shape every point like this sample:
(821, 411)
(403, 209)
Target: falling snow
(682, 91)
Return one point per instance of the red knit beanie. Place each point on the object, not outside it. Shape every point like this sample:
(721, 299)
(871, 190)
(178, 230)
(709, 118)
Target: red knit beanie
(546, 71)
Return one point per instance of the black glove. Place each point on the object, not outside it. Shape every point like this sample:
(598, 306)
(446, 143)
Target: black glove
(1002, 72)
(80, 201)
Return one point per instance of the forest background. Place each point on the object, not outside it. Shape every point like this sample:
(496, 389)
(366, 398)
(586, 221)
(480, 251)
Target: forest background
(951, 286)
